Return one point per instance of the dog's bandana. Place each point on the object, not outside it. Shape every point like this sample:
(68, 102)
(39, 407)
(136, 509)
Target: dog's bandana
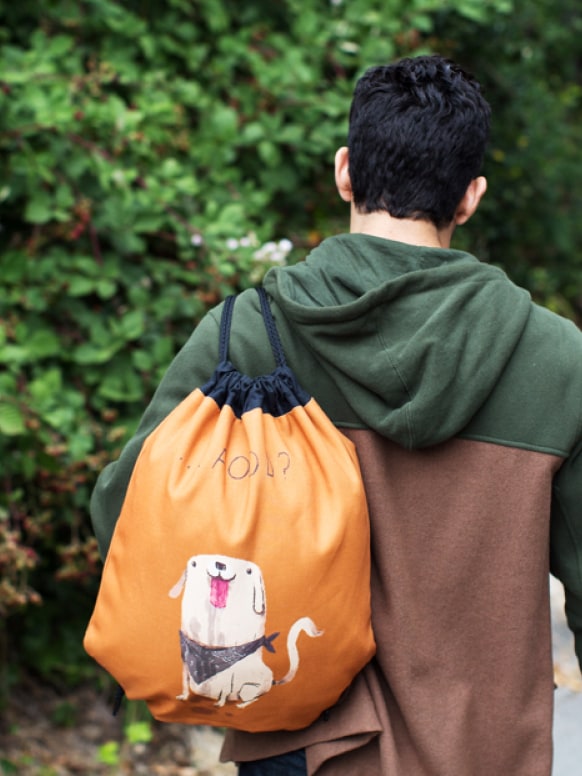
(205, 662)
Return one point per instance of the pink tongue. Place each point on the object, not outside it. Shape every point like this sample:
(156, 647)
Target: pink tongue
(218, 592)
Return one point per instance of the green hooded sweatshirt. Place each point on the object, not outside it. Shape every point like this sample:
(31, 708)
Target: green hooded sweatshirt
(438, 355)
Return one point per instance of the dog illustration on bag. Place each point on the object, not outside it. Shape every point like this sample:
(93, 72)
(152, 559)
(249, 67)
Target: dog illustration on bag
(223, 631)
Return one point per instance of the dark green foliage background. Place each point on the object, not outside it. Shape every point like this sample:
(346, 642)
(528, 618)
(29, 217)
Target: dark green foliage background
(140, 143)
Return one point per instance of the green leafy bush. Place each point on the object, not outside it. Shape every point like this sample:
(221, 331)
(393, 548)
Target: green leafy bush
(154, 157)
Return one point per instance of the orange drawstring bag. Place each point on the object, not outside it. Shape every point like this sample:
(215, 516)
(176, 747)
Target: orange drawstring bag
(236, 589)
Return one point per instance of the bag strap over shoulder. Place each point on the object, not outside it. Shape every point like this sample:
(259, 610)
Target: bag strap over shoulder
(271, 328)
(268, 320)
(225, 323)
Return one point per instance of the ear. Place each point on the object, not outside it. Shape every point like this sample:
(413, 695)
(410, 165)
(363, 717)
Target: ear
(471, 199)
(342, 174)
(259, 603)
(177, 589)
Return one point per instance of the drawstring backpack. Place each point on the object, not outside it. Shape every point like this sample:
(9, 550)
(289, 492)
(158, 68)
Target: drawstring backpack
(236, 590)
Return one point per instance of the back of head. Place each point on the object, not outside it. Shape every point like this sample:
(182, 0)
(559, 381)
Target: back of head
(418, 132)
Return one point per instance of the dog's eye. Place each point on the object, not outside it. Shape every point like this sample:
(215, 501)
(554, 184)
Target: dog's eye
(193, 563)
(249, 571)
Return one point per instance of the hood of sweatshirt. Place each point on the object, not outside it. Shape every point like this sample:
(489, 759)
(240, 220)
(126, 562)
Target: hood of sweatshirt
(415, 338)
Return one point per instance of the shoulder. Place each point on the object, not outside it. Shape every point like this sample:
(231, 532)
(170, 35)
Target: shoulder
(556, 338)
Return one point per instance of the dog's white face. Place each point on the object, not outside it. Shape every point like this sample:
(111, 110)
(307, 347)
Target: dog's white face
(223, 602)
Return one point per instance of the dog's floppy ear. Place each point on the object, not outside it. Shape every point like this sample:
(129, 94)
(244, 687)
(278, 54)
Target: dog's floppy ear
(259, 603)
(177, 589)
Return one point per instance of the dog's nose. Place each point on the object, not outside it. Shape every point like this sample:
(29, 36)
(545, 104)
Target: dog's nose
(220, 566)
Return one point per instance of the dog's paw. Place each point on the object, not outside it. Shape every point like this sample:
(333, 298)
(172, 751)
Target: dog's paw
(248, 693)
(246, 703)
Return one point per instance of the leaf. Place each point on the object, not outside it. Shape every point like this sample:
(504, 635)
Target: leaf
(269, 153)
(163, 350)
(11, 420)
(122, 384)
(148, 222)
(142, 360)
(81, 286)
(224, 121)
(46, 386)
(132, 324)
(91, 354)
(61, 417)
(39, 209)
(108, 753)
(13, 354)
(7, 383)
(139, 732)
(106, 288)
(81, 443)
(59, 45)
(42, 344)
(253, 132)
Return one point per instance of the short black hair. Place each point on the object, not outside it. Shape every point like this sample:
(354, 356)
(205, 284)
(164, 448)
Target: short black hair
(417, 137)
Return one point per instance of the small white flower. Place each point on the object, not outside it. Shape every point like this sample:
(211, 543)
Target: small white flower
(349, 47)
(275, 252)
(196, 239)
(232, 243)
(261, 254)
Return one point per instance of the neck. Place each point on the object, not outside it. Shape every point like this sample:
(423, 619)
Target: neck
(405, 230)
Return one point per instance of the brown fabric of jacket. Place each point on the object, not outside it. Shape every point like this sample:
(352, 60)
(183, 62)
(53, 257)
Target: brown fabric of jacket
(462, 682)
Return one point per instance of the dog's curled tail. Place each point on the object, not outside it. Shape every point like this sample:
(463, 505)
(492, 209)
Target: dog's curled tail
(305, 625)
